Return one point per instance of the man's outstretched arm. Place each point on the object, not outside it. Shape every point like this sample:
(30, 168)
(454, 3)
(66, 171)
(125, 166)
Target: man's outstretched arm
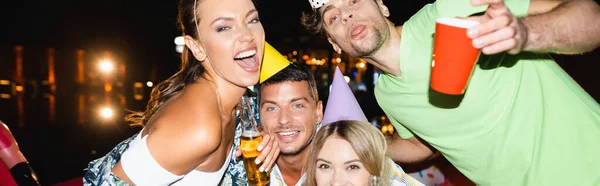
(571, 27)
(551, 26)
(411, 150)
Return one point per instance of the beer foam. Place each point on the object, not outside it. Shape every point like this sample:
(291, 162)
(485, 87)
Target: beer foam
(250, 133)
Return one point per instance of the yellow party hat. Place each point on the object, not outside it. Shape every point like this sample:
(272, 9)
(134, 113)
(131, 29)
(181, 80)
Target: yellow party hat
(272, 63)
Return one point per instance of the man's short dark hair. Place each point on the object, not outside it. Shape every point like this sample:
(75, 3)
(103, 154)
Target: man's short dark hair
(312, 21)
(294, 73)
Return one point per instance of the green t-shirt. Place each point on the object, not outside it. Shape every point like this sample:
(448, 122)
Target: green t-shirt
(522, 121)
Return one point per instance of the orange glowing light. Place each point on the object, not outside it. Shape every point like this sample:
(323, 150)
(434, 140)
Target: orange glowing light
(107, 87)
(305, 57)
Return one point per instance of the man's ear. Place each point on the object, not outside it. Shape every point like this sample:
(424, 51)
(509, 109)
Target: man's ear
(319, 114)
(384, 9)
(197, 50)
(335, 46)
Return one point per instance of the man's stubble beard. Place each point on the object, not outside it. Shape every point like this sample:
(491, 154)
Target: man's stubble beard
(372, 45)
(302, 148)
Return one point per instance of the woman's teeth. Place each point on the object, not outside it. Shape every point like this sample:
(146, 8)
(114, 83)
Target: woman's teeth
(245, 54)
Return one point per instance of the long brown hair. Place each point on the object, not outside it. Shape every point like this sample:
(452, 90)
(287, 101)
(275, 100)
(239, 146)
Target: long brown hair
(367, 142)
(189, 71)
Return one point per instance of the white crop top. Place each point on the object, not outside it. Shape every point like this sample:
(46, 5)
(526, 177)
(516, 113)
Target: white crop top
(142, 169)
(196, 177)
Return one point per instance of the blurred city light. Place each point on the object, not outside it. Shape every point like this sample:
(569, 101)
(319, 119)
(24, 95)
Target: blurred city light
(179, 40)
(338, 60)
(149, 84)
(179, 43)
(6, 89)
(362, 86)
(106, 66)
(106, 112)
(4, 82)
(387, 129)
(179, 48)
(347, 79)
(138, 91)
(316, 61)
(305, 57)
(19, 88)
(107, 87)
(375, 77)
(360, 65)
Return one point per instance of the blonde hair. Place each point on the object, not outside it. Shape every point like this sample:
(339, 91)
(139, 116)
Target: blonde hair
(368, 143)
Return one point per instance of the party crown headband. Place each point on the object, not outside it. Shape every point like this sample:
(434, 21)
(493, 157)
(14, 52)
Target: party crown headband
(317, 3)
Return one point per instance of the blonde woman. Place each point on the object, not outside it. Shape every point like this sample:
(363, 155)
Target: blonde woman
(350, 152)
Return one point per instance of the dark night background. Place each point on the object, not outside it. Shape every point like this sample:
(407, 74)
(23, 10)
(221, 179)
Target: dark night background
(139, 34)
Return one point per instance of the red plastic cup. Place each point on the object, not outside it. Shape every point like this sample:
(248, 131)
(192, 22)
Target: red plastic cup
(454, 56)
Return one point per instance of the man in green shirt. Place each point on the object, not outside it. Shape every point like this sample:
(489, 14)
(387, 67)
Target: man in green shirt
(522, 120)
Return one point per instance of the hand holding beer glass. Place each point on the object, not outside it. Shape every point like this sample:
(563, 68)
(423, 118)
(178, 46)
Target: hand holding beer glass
(249, 144)
(454, 56)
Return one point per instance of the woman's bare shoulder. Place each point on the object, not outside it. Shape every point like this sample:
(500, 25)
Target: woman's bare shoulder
(195, 111)
(188, 130)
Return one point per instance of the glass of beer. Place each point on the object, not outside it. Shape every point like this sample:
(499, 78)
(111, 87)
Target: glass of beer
(249, 142)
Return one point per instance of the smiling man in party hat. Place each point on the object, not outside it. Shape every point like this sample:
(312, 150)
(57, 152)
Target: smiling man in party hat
(291, 111)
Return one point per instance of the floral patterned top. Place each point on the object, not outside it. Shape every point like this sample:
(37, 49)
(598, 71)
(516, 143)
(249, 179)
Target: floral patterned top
(236, 173)
(99, 171)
